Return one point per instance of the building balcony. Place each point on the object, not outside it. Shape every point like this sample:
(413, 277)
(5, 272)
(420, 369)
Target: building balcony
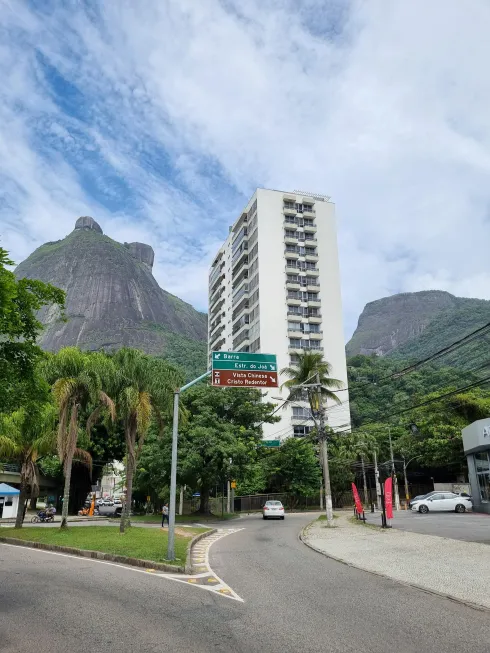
(314, 303)
(289, 211)
(293, 301)
(291, 269)
(290, 254)
(313, 258)
(240, 325)
(241, 222)
(309, 228)
(240, 292)
(215, 346)
(312, 272)
(216, 309)
(315, 335)
(289, 197)
(308, 211)
(295, 350)
(312, 285)
(314, 319)
(315, 346)
(291, 240)
(297, 420)
(241, 264)
(295, 332)
(217, 331)
(216, 283)
(241, 339)
(292, 315)
(292, 285)
(216, 295)
(218, 271)
(310, 240)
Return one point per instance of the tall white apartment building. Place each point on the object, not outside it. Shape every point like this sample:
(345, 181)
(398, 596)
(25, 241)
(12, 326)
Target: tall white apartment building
(274, 288)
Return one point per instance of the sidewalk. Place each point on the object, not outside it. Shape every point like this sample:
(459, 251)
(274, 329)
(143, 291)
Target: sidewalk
(456, 569)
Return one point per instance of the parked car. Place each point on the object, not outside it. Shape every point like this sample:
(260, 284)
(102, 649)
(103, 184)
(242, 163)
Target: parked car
(273, 509)
(443, 501)
(110, 510)
(421, 496)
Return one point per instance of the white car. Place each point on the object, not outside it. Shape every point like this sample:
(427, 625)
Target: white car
(448, 501)
(273, 509)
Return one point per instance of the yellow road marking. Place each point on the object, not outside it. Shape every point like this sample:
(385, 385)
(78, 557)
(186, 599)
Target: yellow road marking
(192, 580)
(212, 580)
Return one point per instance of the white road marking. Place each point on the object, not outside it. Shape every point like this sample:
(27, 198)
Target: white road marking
(221, 585)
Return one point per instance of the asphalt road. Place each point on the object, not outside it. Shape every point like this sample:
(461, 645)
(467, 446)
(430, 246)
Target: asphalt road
(295, 600)
(469, 526)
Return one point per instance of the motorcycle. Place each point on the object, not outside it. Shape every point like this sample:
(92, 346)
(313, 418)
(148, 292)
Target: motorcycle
(43, 518)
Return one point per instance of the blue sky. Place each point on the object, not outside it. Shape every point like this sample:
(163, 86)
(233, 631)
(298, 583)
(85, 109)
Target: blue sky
(160, 119)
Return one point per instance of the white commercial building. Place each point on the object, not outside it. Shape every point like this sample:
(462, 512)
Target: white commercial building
(274, 288)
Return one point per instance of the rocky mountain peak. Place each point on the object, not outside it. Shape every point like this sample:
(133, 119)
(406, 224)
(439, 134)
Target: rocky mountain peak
(86, 222)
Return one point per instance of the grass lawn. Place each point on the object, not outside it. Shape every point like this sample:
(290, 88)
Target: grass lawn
(143, 543)
(185, 519)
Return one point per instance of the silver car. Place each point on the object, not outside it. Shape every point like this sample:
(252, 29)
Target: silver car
(273, 510)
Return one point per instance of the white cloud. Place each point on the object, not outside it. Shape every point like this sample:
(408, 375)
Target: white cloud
(182, 109)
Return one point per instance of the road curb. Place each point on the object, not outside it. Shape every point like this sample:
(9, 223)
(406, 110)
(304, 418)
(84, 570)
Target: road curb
(97, 555)
(189, 569)
(451, 597)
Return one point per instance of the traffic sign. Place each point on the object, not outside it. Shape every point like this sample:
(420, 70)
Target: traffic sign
(271, 443)
(244, 370)
(243, 356)
(233, 485)
(244, 365)
(247, 379)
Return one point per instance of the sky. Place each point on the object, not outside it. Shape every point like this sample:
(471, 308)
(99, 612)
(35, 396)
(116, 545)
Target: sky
(159, 119)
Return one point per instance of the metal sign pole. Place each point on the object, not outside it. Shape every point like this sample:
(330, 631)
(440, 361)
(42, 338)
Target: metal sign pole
(173, 470)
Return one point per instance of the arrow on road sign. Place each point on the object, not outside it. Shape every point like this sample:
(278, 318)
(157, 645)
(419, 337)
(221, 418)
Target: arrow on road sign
(273, 368)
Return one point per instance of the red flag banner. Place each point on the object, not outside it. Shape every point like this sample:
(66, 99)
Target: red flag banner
(357, 499)
(389, 498)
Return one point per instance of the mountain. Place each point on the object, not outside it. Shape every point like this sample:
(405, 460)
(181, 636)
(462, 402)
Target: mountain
(113, 300)
(415, 325)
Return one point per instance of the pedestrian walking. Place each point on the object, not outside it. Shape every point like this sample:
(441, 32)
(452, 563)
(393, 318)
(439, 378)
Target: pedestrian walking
(165, 514)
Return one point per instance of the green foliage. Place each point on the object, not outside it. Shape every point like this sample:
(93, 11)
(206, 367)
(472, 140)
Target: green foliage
(19, 329)
(293, 468)
(432, 432)
(220, 425)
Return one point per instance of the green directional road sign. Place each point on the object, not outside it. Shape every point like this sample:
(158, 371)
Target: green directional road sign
(271, 443)
(245, 365)
(241, 356)
(243, 369)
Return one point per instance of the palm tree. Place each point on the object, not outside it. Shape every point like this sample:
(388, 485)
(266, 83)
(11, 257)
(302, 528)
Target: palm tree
(25, 435)
(78, 380)
(312, 374)
(143, 387)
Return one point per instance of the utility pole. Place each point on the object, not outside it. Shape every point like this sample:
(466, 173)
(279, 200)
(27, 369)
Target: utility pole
(322, 436)
(395, 480)
(173, 469)
(228, 497)
(378, 486)
(366, 497)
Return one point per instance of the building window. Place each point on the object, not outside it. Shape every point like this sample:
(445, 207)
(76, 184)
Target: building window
(482, 466)
(301, 412)
(295, 343)
(301, 431)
